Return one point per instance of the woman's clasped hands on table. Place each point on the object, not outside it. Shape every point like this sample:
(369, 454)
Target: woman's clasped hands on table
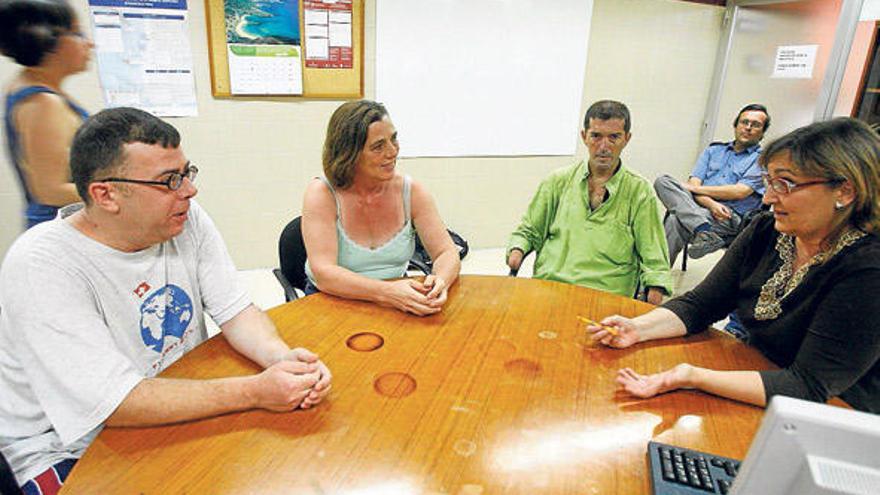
(419, 297)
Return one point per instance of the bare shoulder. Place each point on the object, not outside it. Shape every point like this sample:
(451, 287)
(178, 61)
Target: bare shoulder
(316, 188)
(43, 104)
(418, 190)
(318, 196)
(46, 114)
(421, 200)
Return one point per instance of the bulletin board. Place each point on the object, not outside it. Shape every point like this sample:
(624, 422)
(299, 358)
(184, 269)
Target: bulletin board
(317, 82)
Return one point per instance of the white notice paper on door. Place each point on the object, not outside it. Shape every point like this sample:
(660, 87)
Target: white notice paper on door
(795, 62)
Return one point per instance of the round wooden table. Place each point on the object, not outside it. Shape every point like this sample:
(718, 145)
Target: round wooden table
(500, 393)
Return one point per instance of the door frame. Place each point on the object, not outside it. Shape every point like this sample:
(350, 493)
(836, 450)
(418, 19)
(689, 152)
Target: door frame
(830, 88)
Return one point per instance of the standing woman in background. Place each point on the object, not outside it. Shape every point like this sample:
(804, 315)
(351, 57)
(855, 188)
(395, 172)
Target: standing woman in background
(44, 37)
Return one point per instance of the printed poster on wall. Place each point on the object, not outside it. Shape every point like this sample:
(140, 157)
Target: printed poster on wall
(328, 33)
(263, 47)
(795, 61)
(143, 55)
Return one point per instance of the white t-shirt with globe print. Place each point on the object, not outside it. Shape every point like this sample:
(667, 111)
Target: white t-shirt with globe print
(81, 324)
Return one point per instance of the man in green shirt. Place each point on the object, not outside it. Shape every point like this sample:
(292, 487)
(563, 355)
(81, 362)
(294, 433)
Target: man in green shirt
(596, 223)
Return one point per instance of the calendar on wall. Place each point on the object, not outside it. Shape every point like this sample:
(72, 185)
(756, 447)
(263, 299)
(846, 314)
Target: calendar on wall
(263, 47)
(265, 70)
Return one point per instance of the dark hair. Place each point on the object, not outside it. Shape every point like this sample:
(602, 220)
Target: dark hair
(754, 107)
(840, 150)
(346, 135)
(29, 29)
(98, 144)
(606, 110)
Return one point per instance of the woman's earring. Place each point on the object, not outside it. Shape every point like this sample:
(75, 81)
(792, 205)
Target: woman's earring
(838, 205)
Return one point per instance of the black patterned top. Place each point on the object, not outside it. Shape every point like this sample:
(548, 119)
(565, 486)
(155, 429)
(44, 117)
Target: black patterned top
(824, 331)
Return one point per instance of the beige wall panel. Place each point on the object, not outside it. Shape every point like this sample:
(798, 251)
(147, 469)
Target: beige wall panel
(257, 155)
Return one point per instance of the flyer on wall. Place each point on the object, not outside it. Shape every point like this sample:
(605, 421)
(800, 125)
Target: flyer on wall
(143, 55)
(263, 47)
(328, 33)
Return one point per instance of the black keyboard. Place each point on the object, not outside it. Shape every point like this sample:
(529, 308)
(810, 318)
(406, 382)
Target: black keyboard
(680, 471)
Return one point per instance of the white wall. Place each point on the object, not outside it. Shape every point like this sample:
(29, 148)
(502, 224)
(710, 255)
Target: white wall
(257, 155)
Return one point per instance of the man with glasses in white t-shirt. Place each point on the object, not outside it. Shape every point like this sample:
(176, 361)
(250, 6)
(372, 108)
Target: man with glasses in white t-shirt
(96, 303)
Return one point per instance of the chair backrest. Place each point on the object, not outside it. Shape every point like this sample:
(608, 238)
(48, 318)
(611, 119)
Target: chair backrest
(8, 484)
(292, 253)
(421, 260)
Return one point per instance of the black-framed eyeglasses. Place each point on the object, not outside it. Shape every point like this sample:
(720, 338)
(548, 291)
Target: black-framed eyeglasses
(785, 186)
(751, 124)
(173, 182)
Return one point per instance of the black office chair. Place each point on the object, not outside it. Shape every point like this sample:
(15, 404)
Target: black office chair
(422, 261)
(684, 252)
(8, 485)
(292, 256)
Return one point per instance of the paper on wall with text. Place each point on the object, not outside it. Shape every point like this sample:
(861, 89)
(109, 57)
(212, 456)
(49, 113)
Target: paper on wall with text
(328, 33)
(795, 62)
(143, 55)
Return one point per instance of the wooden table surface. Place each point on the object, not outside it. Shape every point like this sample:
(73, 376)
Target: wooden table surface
(499, 393)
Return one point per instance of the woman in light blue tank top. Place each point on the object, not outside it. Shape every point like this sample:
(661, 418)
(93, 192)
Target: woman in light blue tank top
(44, 37)
(359, 222)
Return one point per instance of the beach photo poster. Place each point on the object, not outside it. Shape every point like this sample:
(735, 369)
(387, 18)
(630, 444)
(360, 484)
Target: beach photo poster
(263, 47)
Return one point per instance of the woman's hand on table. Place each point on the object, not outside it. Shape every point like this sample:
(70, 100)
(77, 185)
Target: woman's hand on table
(411, 296)
(615, 331)
(437, 290)
(645, 386)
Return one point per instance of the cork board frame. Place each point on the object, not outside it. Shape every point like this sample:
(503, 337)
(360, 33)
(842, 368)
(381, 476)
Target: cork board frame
(317, 82)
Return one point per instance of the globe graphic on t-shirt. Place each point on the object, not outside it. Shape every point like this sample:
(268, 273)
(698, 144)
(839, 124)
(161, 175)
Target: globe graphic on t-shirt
(165, 313)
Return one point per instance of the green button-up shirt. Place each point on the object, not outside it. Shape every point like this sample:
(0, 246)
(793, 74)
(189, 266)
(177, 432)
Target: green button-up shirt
(612, 248)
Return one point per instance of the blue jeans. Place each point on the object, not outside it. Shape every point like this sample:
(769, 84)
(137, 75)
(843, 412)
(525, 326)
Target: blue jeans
(735, 327)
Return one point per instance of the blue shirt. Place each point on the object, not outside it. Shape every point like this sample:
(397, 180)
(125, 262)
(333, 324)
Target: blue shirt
(720, 165)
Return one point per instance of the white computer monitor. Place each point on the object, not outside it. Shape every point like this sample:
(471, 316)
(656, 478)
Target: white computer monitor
(805, 448)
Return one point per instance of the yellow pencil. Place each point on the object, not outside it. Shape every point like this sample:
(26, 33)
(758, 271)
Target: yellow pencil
(609, 329)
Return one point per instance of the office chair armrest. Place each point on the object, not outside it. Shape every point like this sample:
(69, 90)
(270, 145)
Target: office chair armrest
(415, 264)
(289, 291)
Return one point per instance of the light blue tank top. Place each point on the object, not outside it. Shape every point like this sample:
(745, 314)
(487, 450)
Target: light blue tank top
(389, 260)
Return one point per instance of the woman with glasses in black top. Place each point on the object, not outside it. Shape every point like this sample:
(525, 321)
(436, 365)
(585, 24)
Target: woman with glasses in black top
(804, 278)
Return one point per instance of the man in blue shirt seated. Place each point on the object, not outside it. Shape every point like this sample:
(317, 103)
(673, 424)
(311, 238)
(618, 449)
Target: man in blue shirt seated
(725, 185)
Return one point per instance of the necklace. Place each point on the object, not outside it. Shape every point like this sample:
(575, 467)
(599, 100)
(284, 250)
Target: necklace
(786, 279)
